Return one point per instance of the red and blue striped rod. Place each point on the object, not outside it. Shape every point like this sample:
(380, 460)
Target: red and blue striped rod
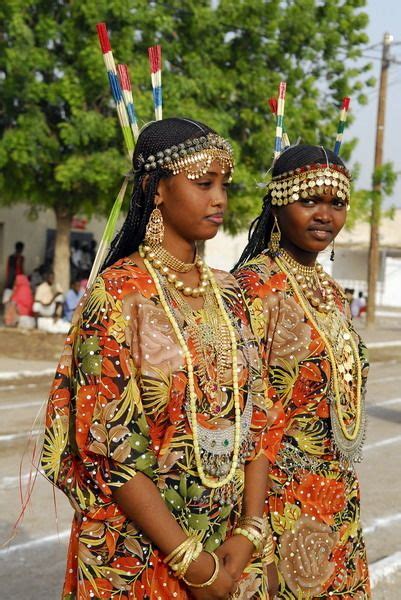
(126, 87)
(273, 107)
(279, 118)
(115, 86)
(341, 124)
(155, 61)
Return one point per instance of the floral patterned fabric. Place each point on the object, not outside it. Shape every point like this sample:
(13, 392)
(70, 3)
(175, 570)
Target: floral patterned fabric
(313, 503)
(117, 407)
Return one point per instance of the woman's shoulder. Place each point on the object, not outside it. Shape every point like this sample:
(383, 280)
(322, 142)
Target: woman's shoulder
(125, 277)
(261, 276)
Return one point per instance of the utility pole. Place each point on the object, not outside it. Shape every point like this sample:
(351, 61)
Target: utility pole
(373, 264)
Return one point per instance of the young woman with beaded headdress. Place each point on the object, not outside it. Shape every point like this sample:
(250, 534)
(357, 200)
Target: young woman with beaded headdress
(315, 368)
(157, 421)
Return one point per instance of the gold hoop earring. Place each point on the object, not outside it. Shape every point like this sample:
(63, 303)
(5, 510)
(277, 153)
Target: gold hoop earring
(273, 246)
(154, 232)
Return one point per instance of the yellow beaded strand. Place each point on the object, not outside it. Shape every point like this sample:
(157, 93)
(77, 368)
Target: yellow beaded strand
(333, 362)
(207, 482)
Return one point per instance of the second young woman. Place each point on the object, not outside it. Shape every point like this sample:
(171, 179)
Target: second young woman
(316, 370)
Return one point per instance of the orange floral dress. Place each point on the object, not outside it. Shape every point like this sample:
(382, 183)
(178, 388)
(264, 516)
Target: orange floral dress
(313, 503)
(118, 407)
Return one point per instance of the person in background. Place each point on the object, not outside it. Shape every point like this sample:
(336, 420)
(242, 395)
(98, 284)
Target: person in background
(15, 265)
(72, 298)
(358, 306)
(48, 298)
(75, 259)
(37, 277)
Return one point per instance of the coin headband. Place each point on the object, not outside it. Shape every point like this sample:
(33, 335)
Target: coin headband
(194, 157)
(308, 182)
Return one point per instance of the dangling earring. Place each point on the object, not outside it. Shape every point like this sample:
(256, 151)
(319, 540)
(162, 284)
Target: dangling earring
(332, 253)
(154, 232)
(273, 246)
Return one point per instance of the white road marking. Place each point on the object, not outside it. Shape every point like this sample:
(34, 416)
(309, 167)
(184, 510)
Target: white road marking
(388, 379)
(385, 402)
(384, 344)
(8, 437)
(6, 375)
(7, 388)
(10, 482)
(381, 522)
(385, 442)
(18, 405)
(384, 568)
(62, 535)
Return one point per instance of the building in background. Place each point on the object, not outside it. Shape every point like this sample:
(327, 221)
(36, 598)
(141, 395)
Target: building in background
(349, 268)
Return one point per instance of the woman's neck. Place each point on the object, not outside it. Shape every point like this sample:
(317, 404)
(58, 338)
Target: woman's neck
(303, 257)
(182, 249)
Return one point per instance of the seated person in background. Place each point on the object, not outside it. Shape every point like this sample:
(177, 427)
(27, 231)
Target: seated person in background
(72, 298)
(48, 298)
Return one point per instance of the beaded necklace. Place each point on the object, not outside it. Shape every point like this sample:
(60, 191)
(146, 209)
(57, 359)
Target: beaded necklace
(313, 281)
(206, 481)
(346, 406)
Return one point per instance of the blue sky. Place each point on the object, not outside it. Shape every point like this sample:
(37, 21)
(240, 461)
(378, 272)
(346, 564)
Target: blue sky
(385, 15)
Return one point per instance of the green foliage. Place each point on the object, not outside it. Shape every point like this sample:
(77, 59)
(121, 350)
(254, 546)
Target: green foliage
(383, 182)
(59, 138)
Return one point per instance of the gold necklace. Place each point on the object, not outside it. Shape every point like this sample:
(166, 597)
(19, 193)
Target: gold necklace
(160, 253)
(207, 482)
(313, 281)
(147, 253)
(346, 409)
(211, 339)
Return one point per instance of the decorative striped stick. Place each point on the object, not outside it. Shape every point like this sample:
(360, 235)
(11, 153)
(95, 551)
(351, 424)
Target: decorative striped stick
(115, 86)
(126, 87)
(341, 124)
(279, 118)
(155, 61)
(273, 107)
(129, 136)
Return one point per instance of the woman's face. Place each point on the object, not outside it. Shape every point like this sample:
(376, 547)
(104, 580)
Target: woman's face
(311, 224)
(194, 209)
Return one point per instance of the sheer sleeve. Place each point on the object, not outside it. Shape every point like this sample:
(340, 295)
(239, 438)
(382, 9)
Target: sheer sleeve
(97, 435)
(263, 288)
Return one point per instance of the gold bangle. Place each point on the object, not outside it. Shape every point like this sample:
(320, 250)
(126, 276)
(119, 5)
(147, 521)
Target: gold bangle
(211, 579)
(181, 549)
(254, 538)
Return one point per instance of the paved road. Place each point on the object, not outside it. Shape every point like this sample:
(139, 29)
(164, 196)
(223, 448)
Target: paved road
(33, 567)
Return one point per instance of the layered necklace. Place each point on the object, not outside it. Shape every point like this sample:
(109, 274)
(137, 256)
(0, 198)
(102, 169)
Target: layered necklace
(162, 260)
(345, 393)
(212, 448)
(313, 281)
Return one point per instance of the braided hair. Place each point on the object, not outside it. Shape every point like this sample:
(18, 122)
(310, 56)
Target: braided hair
(292, 158)
(154, 137)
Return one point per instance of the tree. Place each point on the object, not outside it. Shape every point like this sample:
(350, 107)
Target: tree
(59, 140)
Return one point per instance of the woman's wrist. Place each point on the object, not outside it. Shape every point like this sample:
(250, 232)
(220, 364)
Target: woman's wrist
(201, 569)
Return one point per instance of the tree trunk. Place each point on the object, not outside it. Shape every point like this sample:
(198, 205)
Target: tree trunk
(62, 248)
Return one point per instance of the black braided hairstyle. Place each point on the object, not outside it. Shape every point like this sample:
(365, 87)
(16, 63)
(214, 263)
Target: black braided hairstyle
(292, 158)
(154, 137)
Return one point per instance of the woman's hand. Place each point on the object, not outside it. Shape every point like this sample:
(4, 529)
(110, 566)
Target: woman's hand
(201, 570)
(272, 580)
(236, 552)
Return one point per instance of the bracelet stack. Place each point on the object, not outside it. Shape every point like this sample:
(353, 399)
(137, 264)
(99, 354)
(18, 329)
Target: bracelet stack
(257, 531)
(180, 559)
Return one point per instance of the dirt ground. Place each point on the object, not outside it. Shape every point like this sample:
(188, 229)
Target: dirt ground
(30, 345)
